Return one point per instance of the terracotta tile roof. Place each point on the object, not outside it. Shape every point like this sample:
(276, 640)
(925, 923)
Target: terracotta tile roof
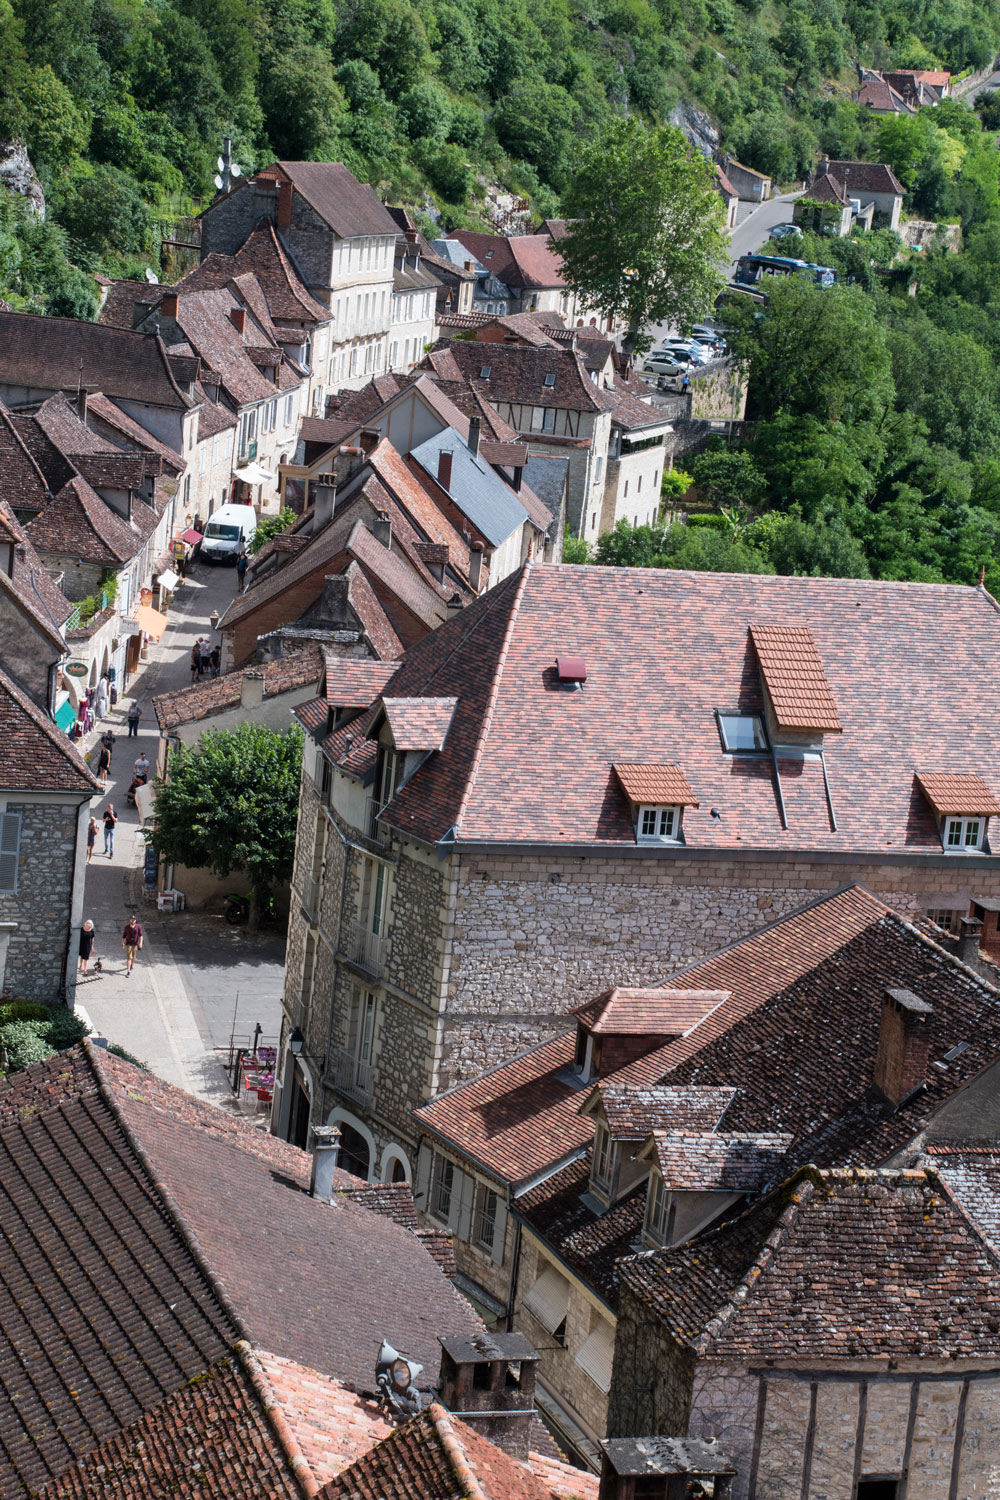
(31, 584)
(332, 1426)
(355, 684)
(633, 409)
(879, 95)
(403, 485)
(22, 482)
(436, 1456)
(538, 263)
(632, 1114)
(955, 793)
(288, 674)
(107, 412)
(118, 310)
(506, 455)
(565, 1481)
(77, 523)
(826, 189)
(493, 253)
(418, 723)
(204, 318)
(726, 187)
(652, 1012)
(45, 354)
(348, 206)
(212, 1436)
(517, 738)
(517, 1118)
(711, 1162)
(656, 784)
(398, 574)
(839, 1265)
(793, 675)
(34, 754)
(518, 373)
(590, 1244)
(866, 177)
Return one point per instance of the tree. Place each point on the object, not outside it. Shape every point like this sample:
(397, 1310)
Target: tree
(231, 804)
(649, 239)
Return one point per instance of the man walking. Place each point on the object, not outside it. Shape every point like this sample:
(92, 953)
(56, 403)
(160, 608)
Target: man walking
(141, 767)
(134, 715)
(131, 942)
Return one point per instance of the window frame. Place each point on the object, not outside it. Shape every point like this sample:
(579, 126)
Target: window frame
(484, 1195)
(442, 1166)
(603, 1158)
(722, 714)
(657, 1208)
(964, 823)
(659, 811)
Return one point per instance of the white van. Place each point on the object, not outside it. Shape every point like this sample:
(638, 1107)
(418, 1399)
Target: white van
(228, 531)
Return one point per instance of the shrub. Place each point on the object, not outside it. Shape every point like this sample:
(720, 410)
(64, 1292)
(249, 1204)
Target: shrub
(30, 1033)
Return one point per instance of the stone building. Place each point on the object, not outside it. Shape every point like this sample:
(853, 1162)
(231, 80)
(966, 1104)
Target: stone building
(593, 777)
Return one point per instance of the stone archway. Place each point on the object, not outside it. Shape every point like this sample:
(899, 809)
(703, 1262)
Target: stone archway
(358, 1153)
(395, 1166)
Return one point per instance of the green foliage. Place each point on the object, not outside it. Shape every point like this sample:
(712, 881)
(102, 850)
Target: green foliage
(576, 550)
(675, 482)
(231, 804)
(269, 526)
(30, 1033)
(728, 476)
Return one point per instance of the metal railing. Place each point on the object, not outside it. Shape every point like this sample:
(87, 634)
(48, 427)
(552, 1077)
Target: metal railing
(364, 948)
(375, 832)
(76, 618)
(352, 1076)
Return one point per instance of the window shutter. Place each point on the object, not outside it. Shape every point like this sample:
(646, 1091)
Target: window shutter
(460, 1219)
(500, 1231)
(423, 1182)
(548, 1299)
(597, 1353)
(10, 840)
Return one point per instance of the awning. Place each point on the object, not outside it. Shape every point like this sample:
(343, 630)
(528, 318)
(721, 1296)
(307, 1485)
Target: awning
(169, 580)
(254, 474)
(150, 621)
(66, 716)
(144, 797)
(191, 536)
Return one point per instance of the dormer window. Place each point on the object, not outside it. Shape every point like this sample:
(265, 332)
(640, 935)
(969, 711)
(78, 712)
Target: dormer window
(603, 1160)
(658, 825)
(658, 795)
(741, 733)
(963, 804)
(660, 1212)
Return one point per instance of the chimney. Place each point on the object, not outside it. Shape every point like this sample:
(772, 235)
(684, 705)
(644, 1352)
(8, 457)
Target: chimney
(238, 318)
(475, 427)
(470, 265)
(168, 305)
(251, 689)
(369, 439)
(444, 468)
(410, 236)
(903, 1045)
(489, 1381)
(326, 1149)
(476, 566)
(434, 556)
(285, 191)
(518, 473)
(324, 494)
(969, 933)
(824, 164)
(81, 405)
(382, 528)
(666, 1468)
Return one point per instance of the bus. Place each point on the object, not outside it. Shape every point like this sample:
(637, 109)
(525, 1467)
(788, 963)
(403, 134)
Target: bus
(751, 269)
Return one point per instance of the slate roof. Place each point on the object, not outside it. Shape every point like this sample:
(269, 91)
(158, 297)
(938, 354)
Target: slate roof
(632, 1114)
(518, 372)
(518, 740)
(955, 793)
(655, 785)
(34, 754)
(971, 1172)
(202, 700)
(480, 494)
(45, 354)
(793, 675)
(652, 1012)
(546, 476)
(842, 1265)
(718, 1162)
(347, 206)
(517, 1118)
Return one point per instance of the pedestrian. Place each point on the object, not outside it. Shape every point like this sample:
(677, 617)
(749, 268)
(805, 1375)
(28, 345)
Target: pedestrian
(107, 738)
(141, 767)
(131, 942)
(216, 660)
(103, 763)
(91, 838)
(134, 715)
(195, 661)
(685, 384)
(87, 934)
(110, 819)
(205, 652)
(241, 570)
(102, 697)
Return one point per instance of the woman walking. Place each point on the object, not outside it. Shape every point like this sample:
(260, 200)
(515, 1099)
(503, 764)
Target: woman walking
(91, 838)
(110, 819)
(87, 934)
(103, 763)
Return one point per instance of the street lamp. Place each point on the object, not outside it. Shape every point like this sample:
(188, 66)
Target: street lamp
(213, 619)
(296, 1042)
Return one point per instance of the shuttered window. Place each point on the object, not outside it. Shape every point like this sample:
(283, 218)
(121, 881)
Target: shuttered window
(10, 843)
(548, 1299)
(596, 1354)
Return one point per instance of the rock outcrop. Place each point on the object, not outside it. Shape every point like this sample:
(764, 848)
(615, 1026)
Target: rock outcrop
(17, 175)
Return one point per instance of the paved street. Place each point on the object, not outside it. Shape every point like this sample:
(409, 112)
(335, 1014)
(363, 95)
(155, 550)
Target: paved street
(197, 981)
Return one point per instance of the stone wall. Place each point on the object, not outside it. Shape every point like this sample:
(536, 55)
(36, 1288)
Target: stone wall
(42, 903)
(712, 394)
(651, 1379)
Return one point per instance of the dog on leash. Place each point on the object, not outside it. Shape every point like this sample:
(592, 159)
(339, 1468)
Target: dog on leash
(98, 967)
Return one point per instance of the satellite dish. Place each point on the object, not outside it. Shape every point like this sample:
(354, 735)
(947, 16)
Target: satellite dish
(219, 163)
(217, 180)
(151, 277)
(236, 170)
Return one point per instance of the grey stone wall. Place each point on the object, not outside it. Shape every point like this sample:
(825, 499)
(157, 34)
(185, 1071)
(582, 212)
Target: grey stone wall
(42, 904)
(651, 1378)
(25, 653)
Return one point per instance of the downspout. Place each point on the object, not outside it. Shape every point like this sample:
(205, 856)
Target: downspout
(515, 1266)
(347, 846)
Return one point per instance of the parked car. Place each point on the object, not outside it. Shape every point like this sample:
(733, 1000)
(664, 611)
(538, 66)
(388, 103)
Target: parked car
(785, 231)
(658, 362)
(699, 354)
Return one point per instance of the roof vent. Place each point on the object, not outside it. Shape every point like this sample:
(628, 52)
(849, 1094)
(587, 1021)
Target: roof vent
(571, 671)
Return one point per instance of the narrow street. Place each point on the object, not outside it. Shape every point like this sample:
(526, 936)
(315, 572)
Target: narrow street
(197, 982)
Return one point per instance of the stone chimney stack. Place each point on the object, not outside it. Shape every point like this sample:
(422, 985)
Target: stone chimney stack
(251, 689)
(326, 1150)
(382, 528)
(969, 934)
(475, 428)
(903, 1045)
(324, 494)
(285, 194)
(489, 1381)
(476, 566)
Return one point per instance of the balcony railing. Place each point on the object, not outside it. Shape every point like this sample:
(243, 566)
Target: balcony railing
(310, 897)
(364, 948)
(376, 832)
(353, 1076)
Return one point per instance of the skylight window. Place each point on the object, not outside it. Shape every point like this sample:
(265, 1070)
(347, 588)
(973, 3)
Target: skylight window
(549, 380)
(484, 373)
(741, 733)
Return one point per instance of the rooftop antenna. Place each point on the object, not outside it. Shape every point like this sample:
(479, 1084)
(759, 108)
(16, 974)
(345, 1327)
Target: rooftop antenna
(228, 169)
(151, 276)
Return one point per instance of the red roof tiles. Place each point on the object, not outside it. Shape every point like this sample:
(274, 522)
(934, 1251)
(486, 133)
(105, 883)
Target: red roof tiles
(287, 674)
(632, 1114)
(419, 723)
(794, 677)
(652, 1012)
(710, 1162)
(656, 785)
(34, 754)
(949, 792)
(355, 684)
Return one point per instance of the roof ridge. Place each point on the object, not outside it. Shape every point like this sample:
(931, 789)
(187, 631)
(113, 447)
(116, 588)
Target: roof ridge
(487, 719)
(933, 1175)
(451, 1443)
(275, 1416)
(167, 1198)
